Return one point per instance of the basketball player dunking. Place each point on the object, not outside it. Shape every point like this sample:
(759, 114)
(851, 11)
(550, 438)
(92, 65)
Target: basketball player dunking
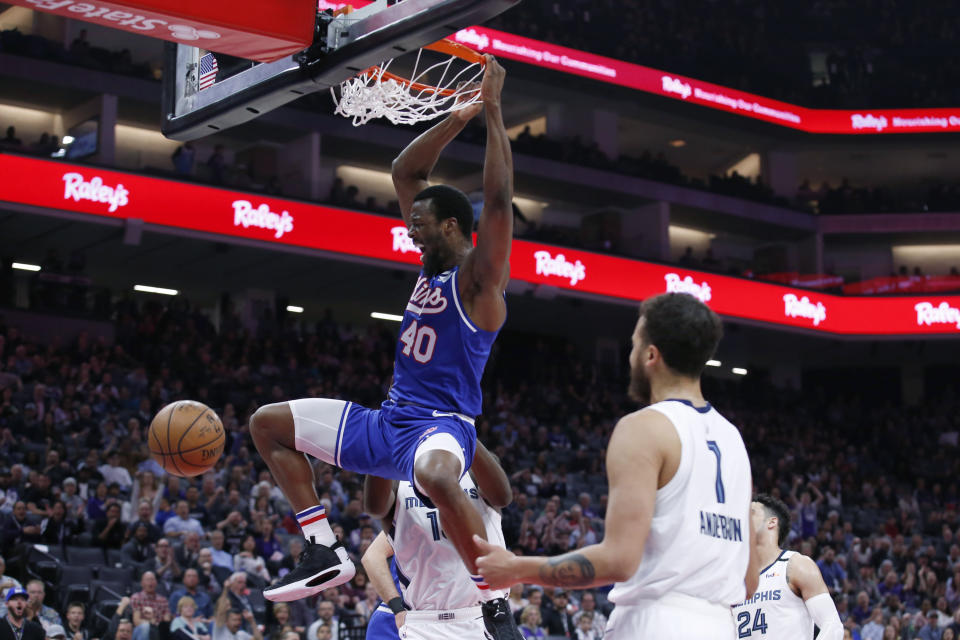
(678, 541)
(791, 595)
(424, 431)
(433, 580)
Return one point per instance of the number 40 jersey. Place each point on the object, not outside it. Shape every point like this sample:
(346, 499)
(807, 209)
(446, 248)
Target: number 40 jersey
(699, 542)
(774, 611)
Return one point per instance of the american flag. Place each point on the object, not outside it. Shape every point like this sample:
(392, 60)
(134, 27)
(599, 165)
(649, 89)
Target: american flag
(208, 71)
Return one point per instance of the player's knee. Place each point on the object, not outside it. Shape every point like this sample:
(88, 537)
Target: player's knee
(437, 474)
(270, 421)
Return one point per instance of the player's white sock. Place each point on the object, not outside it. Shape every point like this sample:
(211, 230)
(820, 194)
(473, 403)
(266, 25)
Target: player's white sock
(486, 594)
(313, 523)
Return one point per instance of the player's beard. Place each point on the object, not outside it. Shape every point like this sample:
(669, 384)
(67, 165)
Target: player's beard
(432, 263)
(639, 388)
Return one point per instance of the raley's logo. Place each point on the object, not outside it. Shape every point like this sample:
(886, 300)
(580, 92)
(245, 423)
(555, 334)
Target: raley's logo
(869, 121)
(106, 15)
(402, 241)
(927, 314)
(677, 86)
(547, 265)
(794, 307)
(75, 187)
(244, 215)
(478, 41)
(701, 292)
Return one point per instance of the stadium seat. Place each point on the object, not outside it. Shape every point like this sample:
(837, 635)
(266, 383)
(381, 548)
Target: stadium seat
(90, 556)
(73, 593)
(107, 589)
(115, 558)
(76, 574)
(116, 574)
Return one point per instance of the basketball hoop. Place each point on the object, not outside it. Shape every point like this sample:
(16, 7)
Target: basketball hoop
(378, 93)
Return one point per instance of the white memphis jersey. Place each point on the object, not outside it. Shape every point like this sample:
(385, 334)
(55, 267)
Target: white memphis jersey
(432, 576)
(699, 537)
(774, 611)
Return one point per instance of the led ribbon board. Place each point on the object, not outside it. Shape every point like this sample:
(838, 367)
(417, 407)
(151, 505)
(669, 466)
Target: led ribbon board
(168, 203)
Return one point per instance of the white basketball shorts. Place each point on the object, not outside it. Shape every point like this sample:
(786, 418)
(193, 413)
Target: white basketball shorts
(672, 617)
(454, 624)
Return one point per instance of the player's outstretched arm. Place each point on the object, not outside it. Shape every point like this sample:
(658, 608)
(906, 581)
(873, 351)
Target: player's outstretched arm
(488, 266)
(411, 169)
(634, 460)
(805, 576)
(492, 480)
(751, 580)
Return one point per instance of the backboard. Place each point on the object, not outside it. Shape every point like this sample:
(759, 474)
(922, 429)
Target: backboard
(204, 92)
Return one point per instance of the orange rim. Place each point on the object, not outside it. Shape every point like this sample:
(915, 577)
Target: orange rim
(446, 46)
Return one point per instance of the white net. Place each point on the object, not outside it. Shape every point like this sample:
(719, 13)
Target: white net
(377, 93)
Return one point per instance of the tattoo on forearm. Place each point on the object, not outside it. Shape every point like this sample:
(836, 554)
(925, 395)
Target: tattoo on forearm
(568, 570)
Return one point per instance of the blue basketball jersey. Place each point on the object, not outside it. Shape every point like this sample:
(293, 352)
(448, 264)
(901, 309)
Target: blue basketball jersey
(441, 354)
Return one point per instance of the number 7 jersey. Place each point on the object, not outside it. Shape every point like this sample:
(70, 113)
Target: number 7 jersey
(441, 353)
(699, 541)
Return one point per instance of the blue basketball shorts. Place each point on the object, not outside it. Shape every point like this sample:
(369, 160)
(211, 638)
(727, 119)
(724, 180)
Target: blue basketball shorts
(382, 625)
(384, 442)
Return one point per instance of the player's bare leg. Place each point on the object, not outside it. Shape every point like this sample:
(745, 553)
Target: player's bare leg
(437, 473)
(324, 562)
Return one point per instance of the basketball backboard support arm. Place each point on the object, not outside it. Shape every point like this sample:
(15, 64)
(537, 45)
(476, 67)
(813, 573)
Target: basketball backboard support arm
(343, 46)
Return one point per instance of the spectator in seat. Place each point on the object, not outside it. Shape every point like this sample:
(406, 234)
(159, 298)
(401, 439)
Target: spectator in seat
(199, 598)
(6, 582)
(250, 560)
(229, 628)
(145, 517)
(557, 620)
(833, 574)
(931, 630)
(109, 530)
(208, 580)
(165, 564)
(148, 597)
(235, 594)
(217, 164)
(326, 615)
(234, 528)
(60, 528)
(11, 141)
(113, 473)
(16, 625)
(75, 504)
(585, 629)
(19, 529)
(873, 630)
(76, 613)
(588, 604)
(221, 558)
(182, 524)
(187, 620)
(36, 610)
(530, 627)
(56, 632)
(189, 552)
(138, 550)
(183, 159)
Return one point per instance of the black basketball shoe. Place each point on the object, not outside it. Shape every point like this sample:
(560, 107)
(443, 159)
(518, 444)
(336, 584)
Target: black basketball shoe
(498, 620)
(318, 568)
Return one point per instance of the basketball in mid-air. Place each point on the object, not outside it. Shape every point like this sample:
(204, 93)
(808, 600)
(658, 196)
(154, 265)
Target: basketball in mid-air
(186, 438)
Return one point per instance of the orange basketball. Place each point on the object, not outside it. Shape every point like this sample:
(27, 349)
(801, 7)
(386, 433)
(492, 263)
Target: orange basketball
(186, 438)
